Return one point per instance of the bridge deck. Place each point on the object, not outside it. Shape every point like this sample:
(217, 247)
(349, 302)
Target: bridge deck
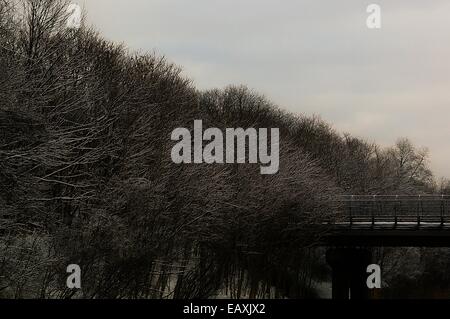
(392, 221)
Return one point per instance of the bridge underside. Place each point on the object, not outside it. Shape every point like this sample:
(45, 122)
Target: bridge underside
(389, 238)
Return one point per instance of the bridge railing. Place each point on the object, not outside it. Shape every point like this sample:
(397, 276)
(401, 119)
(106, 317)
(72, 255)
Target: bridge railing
(388, 209)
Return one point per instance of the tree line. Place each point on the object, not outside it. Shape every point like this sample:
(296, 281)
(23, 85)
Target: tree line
(86, 175)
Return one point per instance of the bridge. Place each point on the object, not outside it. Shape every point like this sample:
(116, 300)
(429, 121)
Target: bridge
(381, 221)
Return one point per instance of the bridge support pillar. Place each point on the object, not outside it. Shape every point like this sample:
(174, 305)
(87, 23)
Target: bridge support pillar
(349, 276)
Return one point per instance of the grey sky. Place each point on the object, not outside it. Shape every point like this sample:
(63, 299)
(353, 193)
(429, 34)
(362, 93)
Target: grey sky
(309, 56)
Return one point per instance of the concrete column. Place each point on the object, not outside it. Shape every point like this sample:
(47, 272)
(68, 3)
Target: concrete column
(349, 274)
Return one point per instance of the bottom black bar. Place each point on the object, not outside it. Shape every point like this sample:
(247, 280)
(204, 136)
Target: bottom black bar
(220, 308)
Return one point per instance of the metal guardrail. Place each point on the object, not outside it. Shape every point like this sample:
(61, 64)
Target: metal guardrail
(395, 210)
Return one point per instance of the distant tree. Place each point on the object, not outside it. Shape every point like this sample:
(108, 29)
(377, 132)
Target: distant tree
(443, 187)
(411, 165)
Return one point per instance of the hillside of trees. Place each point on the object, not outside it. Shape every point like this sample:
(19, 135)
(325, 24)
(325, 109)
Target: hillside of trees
(86, 177)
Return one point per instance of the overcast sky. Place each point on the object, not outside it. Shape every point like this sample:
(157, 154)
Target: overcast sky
(309, 56)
